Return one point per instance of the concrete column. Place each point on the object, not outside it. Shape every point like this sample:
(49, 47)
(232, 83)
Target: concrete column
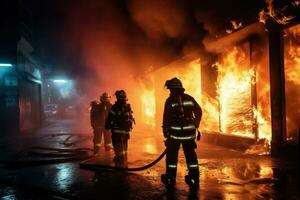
(276, 59)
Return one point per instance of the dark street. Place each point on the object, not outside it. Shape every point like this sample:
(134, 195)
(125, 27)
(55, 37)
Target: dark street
(225, 173)
(149, 99)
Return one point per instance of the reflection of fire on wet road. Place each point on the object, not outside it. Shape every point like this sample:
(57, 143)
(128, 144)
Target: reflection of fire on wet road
(149, 147)
(238, 178)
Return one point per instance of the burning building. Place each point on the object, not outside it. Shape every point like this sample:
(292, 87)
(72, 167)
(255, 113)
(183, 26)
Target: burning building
(247, 88)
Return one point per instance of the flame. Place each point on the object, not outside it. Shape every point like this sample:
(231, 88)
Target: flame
(191, 79)
(296, 3)
(292, 68)
(234, 25)
(276, 14)
(232, 112)
(210, 109)
(234, 92)
(148, 104)
(264, 125)
(292, 80)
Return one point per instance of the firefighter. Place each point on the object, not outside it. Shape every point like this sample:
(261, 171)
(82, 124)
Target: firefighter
(181, 119)
(120, 120)
(99, 112)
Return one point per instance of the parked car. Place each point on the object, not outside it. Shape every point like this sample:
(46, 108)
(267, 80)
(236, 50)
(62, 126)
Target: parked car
(50, 110)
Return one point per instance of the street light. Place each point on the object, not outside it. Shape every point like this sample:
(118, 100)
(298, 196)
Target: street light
(59, 81)
(6, 65)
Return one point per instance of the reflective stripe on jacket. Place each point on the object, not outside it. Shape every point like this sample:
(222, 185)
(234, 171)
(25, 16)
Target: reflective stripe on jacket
(119, 131)
(182, 115)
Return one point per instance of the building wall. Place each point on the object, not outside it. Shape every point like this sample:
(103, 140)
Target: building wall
(9, 100)
(29, 104)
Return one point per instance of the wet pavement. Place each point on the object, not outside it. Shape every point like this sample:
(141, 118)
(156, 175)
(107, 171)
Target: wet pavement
(225, 173)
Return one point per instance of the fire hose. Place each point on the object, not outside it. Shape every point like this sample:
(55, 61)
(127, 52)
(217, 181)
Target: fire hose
(57, 155)
(67, 155)
(61, 155)
(95, 167)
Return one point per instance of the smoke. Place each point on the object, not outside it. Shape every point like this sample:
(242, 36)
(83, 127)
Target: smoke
(160, 19)
(114, 43)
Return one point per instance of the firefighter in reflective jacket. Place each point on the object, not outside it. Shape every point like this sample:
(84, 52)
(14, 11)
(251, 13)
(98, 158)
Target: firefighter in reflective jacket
(99, 112)
(120, 120)
(181, 119)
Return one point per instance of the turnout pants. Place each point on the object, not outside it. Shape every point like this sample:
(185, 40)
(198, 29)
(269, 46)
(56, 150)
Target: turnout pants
(120, 143)
(98, 133)
(190, 156)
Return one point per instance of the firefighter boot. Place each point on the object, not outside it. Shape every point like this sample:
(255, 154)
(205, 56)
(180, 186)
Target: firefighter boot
(168, 181)
(192, 182)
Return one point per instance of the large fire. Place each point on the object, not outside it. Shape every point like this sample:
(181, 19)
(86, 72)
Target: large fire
(234, 93)
(234, 110)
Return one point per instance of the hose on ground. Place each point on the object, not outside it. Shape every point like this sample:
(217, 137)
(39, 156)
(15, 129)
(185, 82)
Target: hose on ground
(95, 167)
(68, 144)
(10, 164)
(67, 155)
(56, 155)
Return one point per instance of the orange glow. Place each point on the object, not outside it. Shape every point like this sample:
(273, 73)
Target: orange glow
(292, 80)
(150, 148)
(190, 78)
(292, 68)
(276, 14)
(188, 71)
(234, 92)
(234, 26)
(210, 115)
(232, 111)
(148, 105)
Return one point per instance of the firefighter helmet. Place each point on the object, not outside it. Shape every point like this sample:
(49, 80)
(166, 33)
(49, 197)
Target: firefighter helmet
(104, 97)
(93, 103)
(174, 83)
(121, 95)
